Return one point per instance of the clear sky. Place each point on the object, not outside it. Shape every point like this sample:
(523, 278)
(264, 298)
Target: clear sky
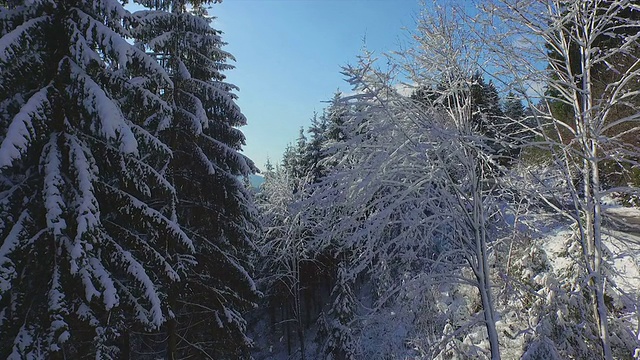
(289, 54)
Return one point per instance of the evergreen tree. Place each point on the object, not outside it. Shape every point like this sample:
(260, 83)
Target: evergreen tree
(206, 170)
(490, 121)
(334, 115)
(487, 116)
(297, 273)
(313, 153)
(290, 159)
(513, 108)
(337, 324)
(301, 146)
(486, 105)
(268, 167)
(293, 157)
(515, 130)
(87, 231)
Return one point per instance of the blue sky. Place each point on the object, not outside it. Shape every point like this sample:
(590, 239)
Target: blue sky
(289, 54)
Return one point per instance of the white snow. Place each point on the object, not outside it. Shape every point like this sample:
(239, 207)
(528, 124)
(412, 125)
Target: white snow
(20, 33)
(556, 245)
(7, 267)
(86, 205)
(21, 344)
(109, 292)
(21, 129)
(111, 122)
(136, 269)
(53, 183)
(157, 217)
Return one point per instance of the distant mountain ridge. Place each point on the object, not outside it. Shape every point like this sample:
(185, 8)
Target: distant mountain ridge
(256, 180)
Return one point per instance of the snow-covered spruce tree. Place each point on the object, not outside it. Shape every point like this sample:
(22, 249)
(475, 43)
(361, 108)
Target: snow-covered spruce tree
(304, 159)
(335, 133)
(513, 108)
(293, 159)
(88, 241)
(313, 153)
(213, 205)
(337, 324)
(516, 127)
(595, 85)
(488, 119)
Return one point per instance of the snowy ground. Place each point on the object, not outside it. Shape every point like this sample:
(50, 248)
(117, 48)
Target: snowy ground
(622, 241)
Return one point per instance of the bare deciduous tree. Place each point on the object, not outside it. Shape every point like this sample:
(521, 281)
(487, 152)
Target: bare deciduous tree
(591, 49)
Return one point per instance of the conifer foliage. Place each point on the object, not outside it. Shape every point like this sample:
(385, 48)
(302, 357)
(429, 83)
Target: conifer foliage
(121, 202)
(213, 205)
(84, 207)
(340, 343)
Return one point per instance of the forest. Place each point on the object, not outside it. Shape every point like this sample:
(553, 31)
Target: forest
(474, 196)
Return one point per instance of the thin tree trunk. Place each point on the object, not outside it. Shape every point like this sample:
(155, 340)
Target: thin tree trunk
(287, 330)
(601, 307)
(301, 339)
(482, 272)
(297, 308)
(484, 286)
(172, 343)
(492, 333)
(592, 197)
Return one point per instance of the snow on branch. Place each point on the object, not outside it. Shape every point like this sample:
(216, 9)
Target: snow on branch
(110, 120)
(136, 206)
(14, 40)
(22, 130)
(9, 244)
(53, 186)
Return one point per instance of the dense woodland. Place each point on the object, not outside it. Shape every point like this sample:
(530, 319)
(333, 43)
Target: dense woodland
(456, 204)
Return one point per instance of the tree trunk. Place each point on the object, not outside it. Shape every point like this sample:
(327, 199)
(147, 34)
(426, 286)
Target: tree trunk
(301, 340)
(287, 329)
(487, 304)
(482, 270)
(484, 286)
(601, 308)
(172, 336)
